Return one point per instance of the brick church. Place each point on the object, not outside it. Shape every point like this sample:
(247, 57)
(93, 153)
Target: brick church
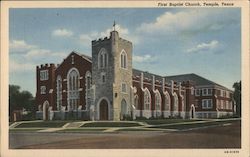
(106, 87)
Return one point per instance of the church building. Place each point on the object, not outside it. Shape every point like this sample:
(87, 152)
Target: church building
(106, 87)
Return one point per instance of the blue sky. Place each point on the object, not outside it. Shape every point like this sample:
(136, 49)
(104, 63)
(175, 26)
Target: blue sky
(166, 41)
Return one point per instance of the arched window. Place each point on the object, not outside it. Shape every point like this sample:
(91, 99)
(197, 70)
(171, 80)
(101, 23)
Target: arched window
(73, 88)
(102, 58)
(59, 92)
(167, 102)
(176, 101)
(157, 101)
(88, 80)
(136, 102)
(123, 59)
(147, 100)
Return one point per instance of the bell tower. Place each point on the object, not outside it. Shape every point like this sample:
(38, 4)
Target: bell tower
(112, 77)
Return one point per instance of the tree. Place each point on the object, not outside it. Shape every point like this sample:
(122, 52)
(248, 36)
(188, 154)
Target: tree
(19, 100)
(237, 97)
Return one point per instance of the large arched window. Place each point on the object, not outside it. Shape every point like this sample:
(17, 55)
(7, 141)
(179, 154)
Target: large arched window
(136, 102)
(147, 100)
(176, 102)
(59, 92)
(102, 58)
(157, 101)
(88, 81)
(167, 102)
(73, 88)
(123, 59)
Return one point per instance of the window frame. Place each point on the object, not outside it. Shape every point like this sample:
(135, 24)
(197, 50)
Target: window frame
(205, 103)
(44, 75)
(43, 90)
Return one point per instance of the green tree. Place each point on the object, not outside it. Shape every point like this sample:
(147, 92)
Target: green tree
(237, 97)
(19, 100)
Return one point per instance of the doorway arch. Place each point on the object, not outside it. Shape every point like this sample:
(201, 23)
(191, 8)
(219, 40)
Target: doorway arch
(192, 112)
(104, 109)
(124, 108)
(46, 110)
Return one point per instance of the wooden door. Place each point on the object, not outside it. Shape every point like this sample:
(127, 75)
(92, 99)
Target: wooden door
(104, 110)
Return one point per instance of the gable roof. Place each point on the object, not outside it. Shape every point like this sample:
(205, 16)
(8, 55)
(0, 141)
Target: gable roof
(88, 58)
(198, 80)
(146, 74)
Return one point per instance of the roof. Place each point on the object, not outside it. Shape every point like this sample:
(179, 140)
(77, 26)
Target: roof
(198, 80)
(88, 58)
(146, 74)
(83, 56)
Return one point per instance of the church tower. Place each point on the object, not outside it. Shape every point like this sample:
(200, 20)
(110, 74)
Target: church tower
(111, 77)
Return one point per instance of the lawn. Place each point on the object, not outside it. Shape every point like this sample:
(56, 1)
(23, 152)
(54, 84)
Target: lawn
(111, 124)
(137, 129)
(44, 124)
(81, 130)
(166, 121)
(24, 130)
(191, 125)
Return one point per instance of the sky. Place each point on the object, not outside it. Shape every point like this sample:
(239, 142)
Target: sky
(166, 41)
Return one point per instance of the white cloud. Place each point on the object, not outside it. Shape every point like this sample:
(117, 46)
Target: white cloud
(21, 67)
(62, 33)
(144, 59)
(36, 53)
(30, 56)
(204, 47)
(123, 32)
(187, 20)
(17, 46)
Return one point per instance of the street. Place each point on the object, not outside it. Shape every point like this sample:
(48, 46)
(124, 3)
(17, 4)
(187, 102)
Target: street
(228, 136)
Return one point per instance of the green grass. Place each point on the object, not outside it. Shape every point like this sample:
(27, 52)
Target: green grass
(192, 125)
(80, 130)
(25, 130)
(110, 124)
(45, 124)
(135, 129)
(165, 121)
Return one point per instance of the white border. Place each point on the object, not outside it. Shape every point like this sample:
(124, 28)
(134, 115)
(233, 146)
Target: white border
(5, 5)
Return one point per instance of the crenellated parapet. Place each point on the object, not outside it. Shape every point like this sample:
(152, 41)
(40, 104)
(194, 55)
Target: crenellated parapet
(46, 66)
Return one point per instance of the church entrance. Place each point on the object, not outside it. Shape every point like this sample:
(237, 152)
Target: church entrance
(46, 110)
(192, 111)
(124, 109)
(104, 110)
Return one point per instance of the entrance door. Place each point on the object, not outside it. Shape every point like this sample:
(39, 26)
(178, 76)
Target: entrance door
(104, 110)
(124, 109)
(46, 110)
(192, 111)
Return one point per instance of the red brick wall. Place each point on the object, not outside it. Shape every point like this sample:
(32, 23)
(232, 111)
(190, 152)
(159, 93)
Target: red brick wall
(41, 98)
(83, 66)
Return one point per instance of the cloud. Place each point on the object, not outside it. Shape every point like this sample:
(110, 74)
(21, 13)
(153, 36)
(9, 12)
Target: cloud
(21, 67)
(37, 53)
(30, 55)
(195, 20)
(62, 33)
(144, 59)
(203, 47)
(123, 32)
(17, 46)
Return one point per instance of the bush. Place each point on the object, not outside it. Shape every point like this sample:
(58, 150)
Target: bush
(29, 116)
(141, 118)
(127, 117)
